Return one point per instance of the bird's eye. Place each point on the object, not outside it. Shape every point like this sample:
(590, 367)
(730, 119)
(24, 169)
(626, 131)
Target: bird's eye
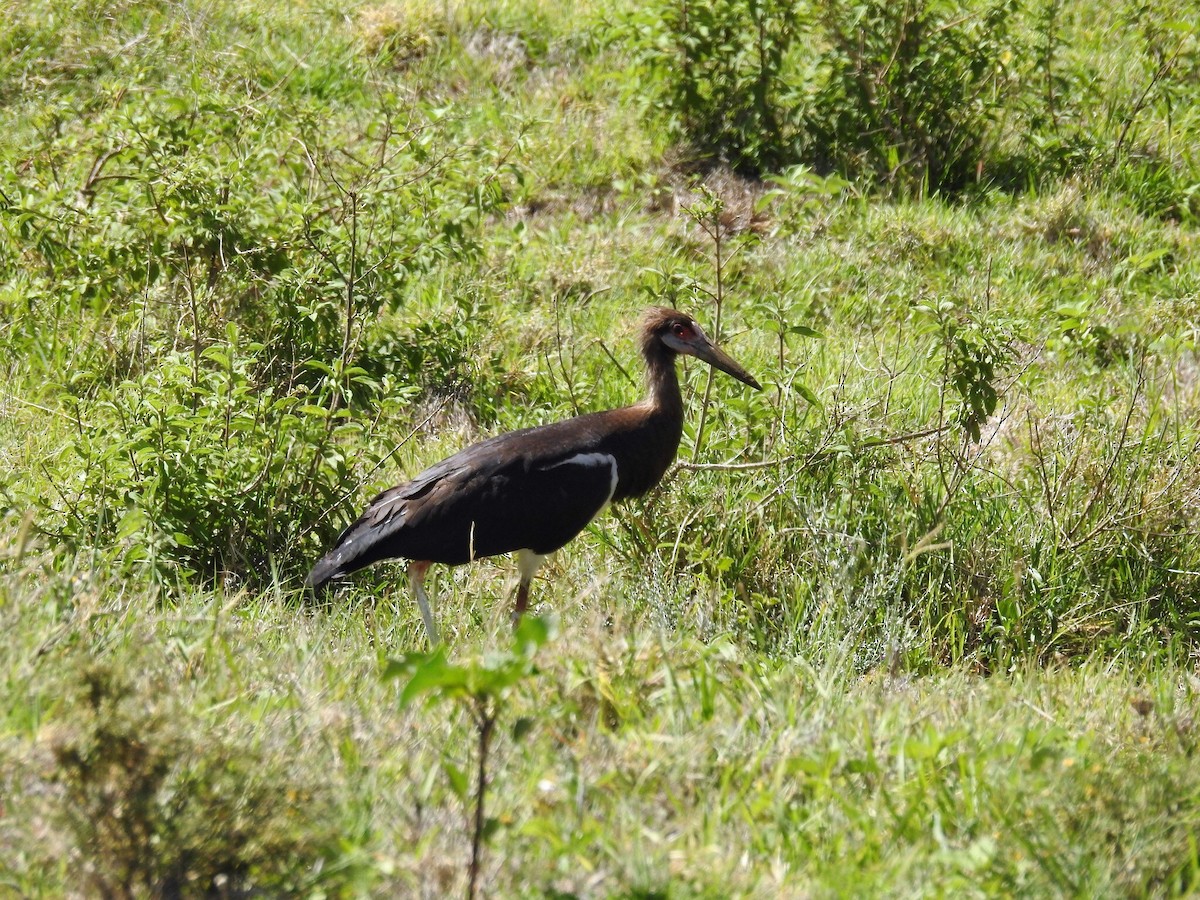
(681, 331)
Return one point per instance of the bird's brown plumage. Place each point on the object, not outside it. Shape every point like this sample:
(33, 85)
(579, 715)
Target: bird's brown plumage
(534, 489)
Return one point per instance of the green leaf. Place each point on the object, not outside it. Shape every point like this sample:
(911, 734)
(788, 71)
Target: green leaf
(427, 672)
(319, 366)
(862, 766)
(804, 331)
(217, 355)
(521, 727)
(802, 389)
(457, 778)
(492, 679)
(490, 826)
(531, 634)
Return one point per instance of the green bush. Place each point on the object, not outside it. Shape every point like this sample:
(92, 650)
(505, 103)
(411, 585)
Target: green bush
(910, 94)
(205, 470)
(152, 811)
(724, 79)
(228, 279)
(906, 95)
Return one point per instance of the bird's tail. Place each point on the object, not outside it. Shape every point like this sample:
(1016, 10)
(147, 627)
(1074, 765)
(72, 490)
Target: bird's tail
(326, 569)
(347, 556)
(357, 547)
(341, 560)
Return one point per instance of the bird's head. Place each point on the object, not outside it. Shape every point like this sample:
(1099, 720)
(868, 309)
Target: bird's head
(679, 333)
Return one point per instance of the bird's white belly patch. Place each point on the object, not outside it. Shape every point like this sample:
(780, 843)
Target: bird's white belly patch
(593, 459)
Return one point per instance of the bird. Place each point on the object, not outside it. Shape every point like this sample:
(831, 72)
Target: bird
(531, 491)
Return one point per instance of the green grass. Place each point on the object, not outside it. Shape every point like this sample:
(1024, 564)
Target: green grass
(655, 762)
(258, 263)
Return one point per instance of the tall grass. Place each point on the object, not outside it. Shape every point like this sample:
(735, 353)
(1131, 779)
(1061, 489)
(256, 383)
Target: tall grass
(920, 612)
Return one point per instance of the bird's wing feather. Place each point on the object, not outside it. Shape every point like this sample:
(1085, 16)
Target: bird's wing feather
(515, 491)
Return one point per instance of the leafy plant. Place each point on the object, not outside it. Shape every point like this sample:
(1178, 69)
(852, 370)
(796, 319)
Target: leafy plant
(154, 812)
(905, 95)
(481, 687)
(973, 352)
(707, 214)
(204, 471)
(726, 86)
(910, 94)
(232, 292)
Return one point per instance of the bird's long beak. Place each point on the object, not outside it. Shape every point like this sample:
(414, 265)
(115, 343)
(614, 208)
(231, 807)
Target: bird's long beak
(702, 348)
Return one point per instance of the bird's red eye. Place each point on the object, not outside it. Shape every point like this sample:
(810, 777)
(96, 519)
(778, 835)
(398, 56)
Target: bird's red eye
(681, 331)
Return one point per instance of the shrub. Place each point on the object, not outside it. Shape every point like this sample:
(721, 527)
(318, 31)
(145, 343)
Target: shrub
(201, 469)
(153, 810)
(724, 81)
(213, 294)
(907, 95)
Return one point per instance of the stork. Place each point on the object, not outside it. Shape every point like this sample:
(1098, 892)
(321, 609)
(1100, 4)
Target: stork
(531, 491)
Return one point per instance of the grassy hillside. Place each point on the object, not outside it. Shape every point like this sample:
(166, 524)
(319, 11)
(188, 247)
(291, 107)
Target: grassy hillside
(920, 618)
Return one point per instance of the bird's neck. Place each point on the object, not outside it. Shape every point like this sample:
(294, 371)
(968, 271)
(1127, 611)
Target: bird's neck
(662, 381)
(648, 434)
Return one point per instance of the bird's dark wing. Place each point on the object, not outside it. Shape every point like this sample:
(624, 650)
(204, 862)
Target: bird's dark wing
(513, 492)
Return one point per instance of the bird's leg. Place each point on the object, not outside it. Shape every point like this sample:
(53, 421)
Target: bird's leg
(522, 601)
(416, 578)
(528, 563)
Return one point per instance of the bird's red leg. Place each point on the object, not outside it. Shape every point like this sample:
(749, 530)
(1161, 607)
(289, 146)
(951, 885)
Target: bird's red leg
(522, 601)
(527, 562)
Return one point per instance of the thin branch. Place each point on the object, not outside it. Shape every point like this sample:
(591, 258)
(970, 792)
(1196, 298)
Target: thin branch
(616, 362)
(734, 466)
(1101, 485)
(718, 265)
(1160, 73)
(88, 191)
(562, 366)
(358, 485)
(486, 721)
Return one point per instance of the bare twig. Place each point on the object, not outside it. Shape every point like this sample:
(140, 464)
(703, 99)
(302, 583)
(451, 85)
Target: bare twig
(194, 306)
(485, 720)
(1100, 488)
(1164, 69)
(734, 466)
(363, 480)
(616, 362)
(709, 221)
(562, 366)
(88, 191)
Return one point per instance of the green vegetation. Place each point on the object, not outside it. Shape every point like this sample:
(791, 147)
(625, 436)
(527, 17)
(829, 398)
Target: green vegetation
(920, 618)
